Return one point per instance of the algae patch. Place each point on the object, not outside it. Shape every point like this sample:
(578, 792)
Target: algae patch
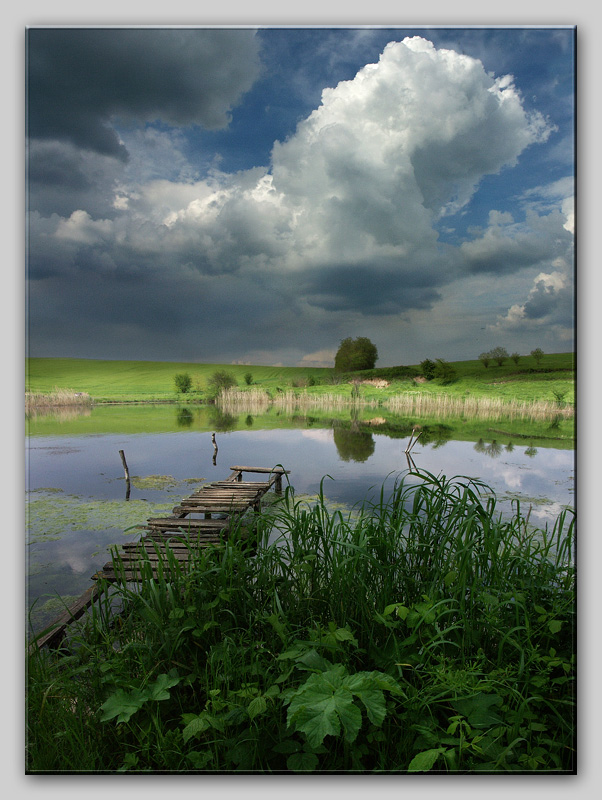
(50, 515)
(160, 482)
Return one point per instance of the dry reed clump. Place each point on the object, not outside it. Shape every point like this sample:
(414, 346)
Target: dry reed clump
(484, 407)
(253, 401)
(411, 403)
(59, 398)
(256, 401)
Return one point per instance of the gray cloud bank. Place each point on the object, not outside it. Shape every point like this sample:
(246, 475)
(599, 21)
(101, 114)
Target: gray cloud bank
(128, 241)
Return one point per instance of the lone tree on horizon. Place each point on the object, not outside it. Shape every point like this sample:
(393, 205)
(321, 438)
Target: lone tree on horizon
(355, 354)
(537, 354)
(499, 355)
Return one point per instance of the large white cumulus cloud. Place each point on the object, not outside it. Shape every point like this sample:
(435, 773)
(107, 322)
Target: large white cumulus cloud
(359, 185)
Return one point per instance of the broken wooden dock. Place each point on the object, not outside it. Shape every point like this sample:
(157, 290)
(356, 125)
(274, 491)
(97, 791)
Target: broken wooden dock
(206, 517)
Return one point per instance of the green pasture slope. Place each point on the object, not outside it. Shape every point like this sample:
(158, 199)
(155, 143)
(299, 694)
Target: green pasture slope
(146, 380)
(114, 381)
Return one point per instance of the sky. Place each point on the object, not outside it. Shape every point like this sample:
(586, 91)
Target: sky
(255, 195)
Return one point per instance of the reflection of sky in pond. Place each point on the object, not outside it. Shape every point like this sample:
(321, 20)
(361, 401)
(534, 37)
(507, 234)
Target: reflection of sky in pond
(89, 467)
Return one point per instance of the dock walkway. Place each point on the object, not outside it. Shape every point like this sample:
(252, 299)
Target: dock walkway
(206, 517)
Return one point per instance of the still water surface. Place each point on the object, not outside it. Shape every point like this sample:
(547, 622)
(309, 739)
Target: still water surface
(76, 493)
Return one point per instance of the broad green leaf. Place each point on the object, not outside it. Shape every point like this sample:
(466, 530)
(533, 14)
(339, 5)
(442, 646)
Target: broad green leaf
(345, 635)
(302, 762)
(195, 727)
(199, 760)
(278, 626)
(450, 577)
(291, 654)
(554, 625)
(350, 716)
(401, 610)
(158, 689)
(477, 709)
(374, 701)
(257, 706)
(313, 660)
(123, 704)
(425, 761)
(318, 720)
(383, 681)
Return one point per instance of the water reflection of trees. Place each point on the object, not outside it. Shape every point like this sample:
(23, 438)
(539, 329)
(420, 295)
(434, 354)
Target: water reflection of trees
(353, 445)
(222, 420)
(184, 418)
(492, 449)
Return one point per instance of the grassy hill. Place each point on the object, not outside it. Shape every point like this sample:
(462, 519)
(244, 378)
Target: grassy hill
(115, 381)
(147, 380)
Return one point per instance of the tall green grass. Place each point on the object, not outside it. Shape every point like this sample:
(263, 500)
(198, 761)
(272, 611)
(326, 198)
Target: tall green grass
(421, 632)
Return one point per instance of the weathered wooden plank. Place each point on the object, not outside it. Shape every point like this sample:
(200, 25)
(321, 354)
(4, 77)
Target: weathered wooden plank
(191, 544)
(264, 470)
(179, 541)
(188, 523)
(203, 507)
(72, 613)
(246, 484)
(243, 493)
(220, 501)
(140, 559)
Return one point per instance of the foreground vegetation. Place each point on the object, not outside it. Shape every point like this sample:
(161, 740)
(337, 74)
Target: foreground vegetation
(421, 633)
(550, 379)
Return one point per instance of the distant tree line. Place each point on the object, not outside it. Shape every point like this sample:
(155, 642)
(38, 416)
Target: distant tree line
(499, 355)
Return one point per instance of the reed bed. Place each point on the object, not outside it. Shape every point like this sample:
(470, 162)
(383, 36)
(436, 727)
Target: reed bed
(59, 398)
(478, 408)
(422, 632)
(256, 401)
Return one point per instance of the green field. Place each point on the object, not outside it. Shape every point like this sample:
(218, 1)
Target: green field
(119, 381)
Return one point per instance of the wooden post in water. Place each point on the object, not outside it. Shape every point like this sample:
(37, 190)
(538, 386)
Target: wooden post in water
(214, 449)
(127, 475)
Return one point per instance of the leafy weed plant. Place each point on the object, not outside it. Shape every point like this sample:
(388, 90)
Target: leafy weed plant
(423, 632)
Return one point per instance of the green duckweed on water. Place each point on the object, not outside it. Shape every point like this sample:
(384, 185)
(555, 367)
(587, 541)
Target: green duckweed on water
(161, 482)
(50, 515)
(50, 512)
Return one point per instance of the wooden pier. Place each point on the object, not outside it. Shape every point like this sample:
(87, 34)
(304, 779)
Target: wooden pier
(206, 517)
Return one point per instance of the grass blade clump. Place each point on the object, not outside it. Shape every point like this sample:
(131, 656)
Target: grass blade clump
(421, 632)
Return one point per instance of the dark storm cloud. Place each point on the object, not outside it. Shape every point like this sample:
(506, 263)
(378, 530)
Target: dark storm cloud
(79, 80)
(505, 247)
(370, 290)
(550, 301)
(51, 163)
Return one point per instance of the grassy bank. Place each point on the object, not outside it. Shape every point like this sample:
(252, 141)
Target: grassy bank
(423, 633)
(119, 381)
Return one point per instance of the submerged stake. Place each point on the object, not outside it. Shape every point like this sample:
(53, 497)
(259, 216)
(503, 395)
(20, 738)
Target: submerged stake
(127, 474)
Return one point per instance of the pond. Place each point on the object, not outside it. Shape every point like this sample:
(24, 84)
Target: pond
(76, 490)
